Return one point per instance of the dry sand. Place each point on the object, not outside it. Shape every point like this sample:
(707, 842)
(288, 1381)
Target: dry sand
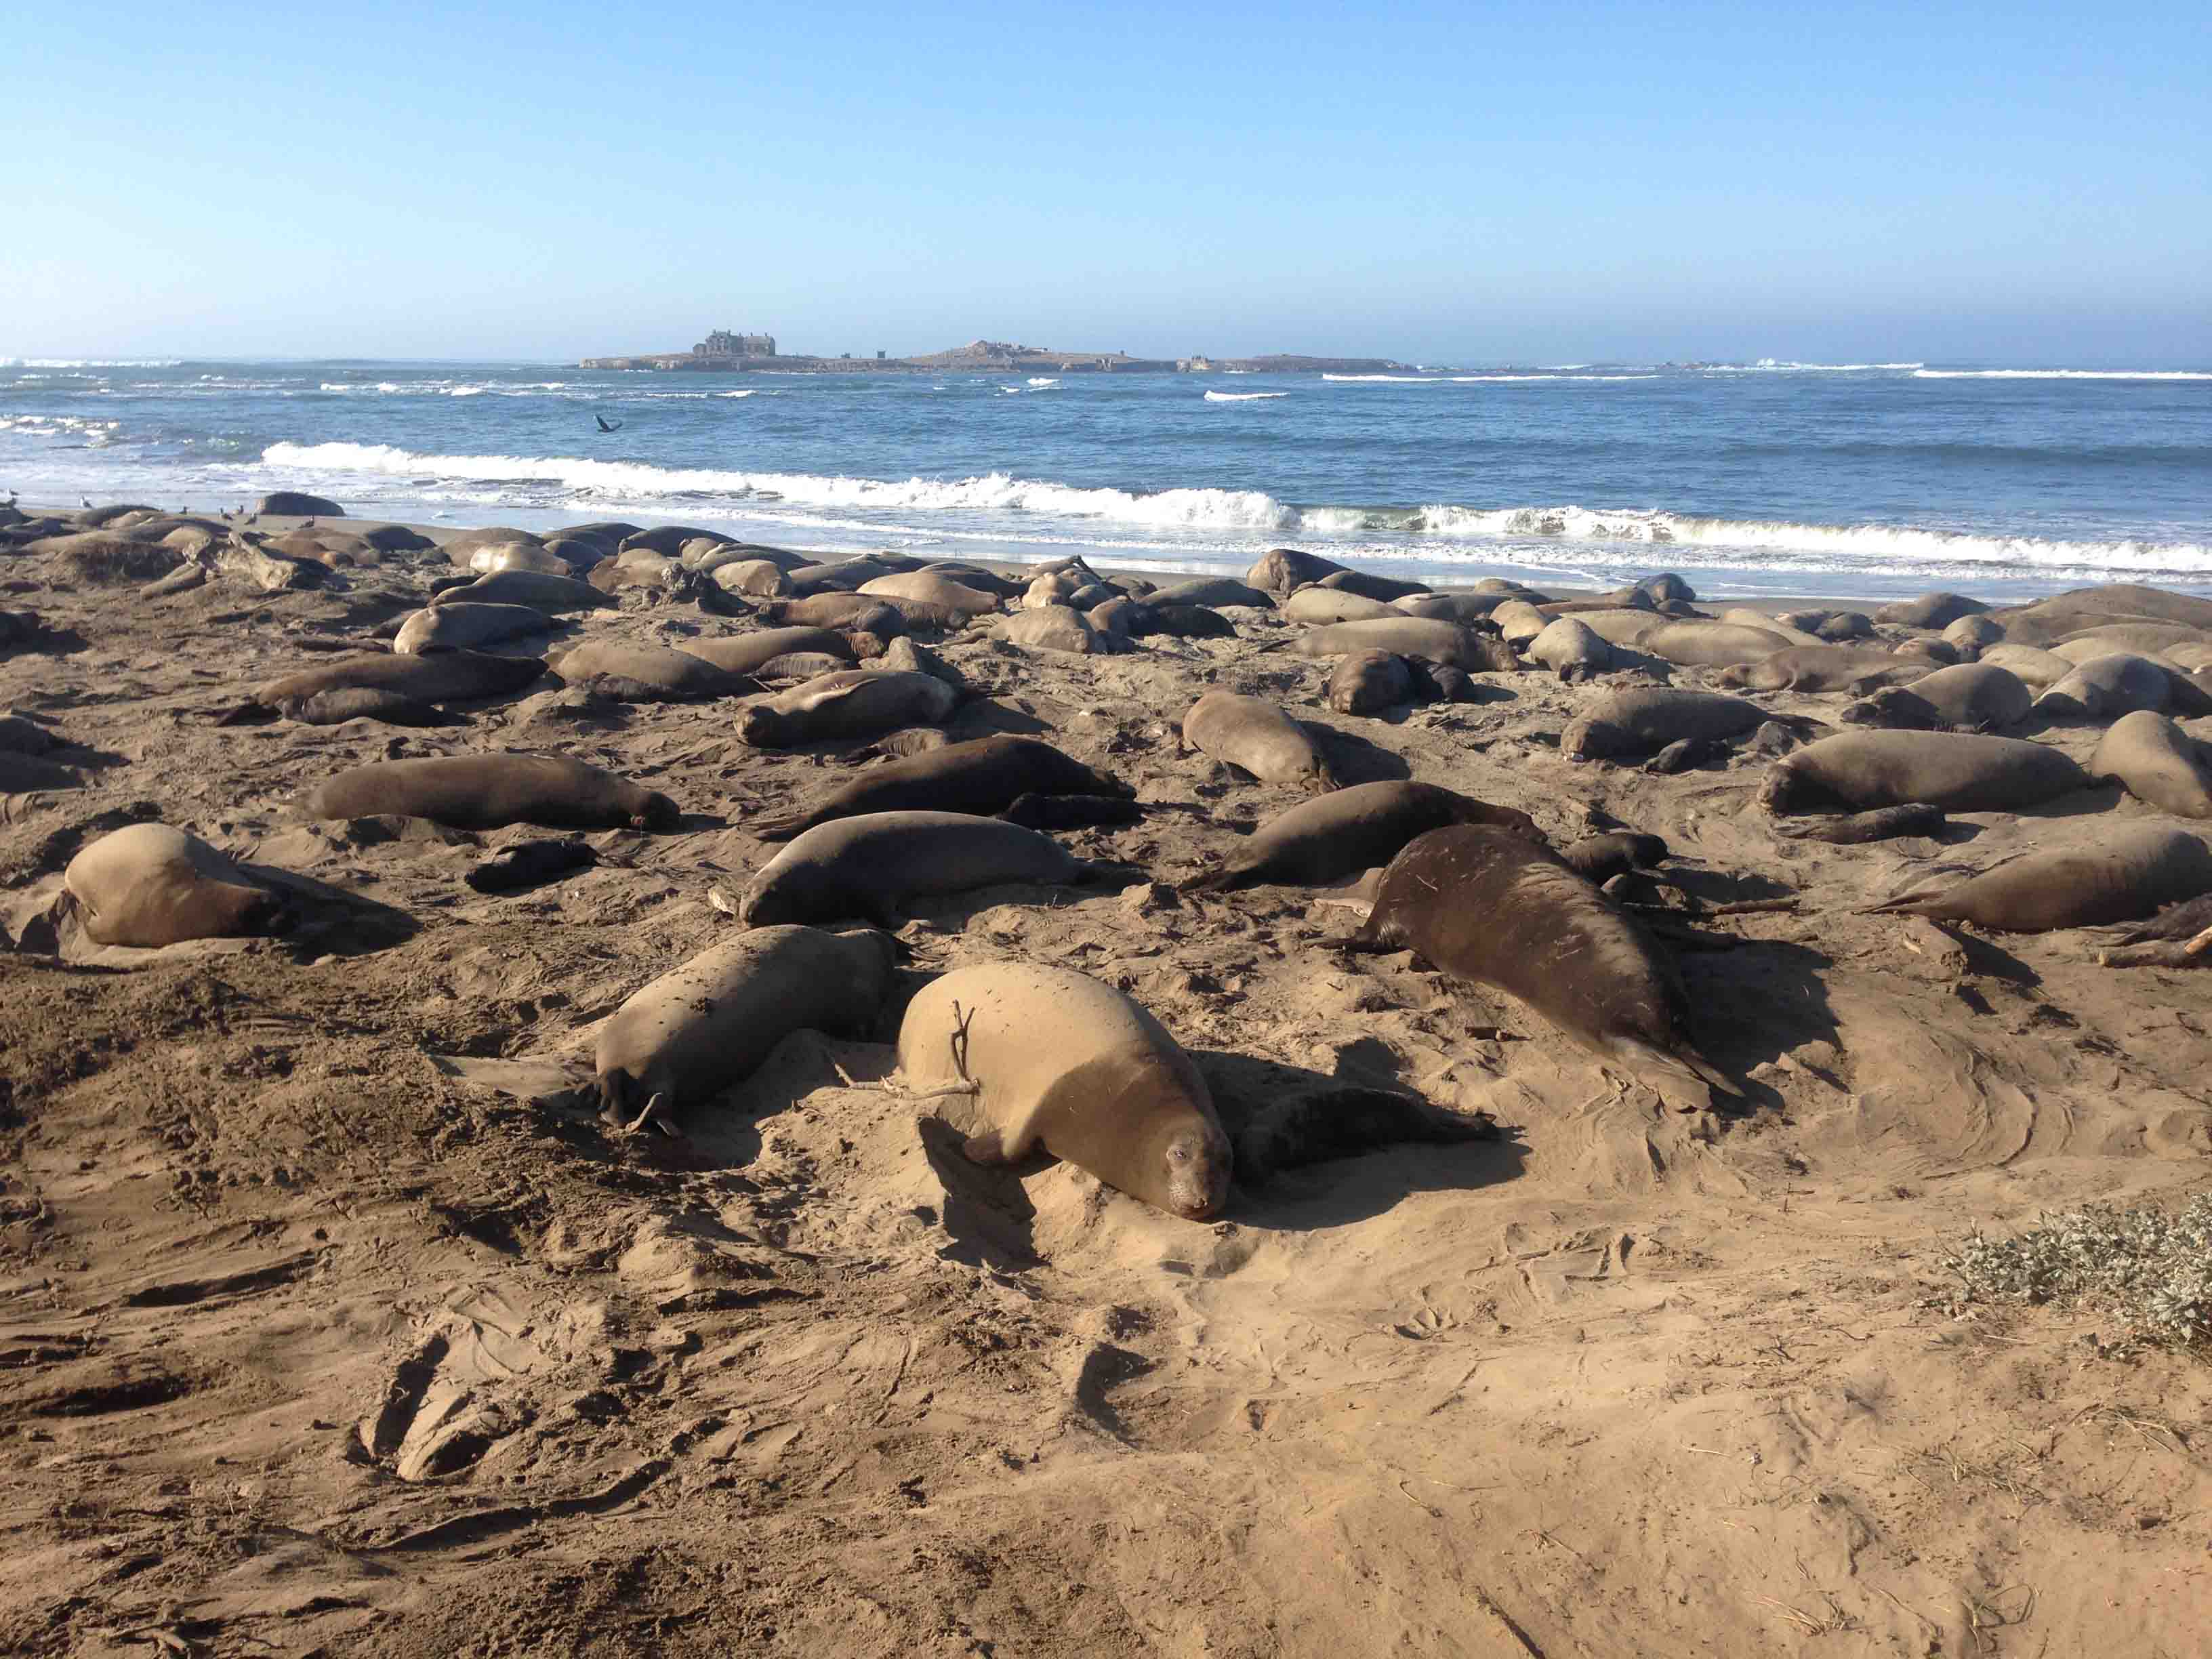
(313, 1343)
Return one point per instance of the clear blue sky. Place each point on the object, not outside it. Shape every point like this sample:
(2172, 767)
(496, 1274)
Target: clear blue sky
(1540, 180)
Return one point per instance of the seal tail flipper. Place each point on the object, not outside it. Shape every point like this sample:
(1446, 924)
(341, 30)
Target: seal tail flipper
(248, 713)
(1685, 1064)
(1912, 903)
(783, 829)
(1215, 880)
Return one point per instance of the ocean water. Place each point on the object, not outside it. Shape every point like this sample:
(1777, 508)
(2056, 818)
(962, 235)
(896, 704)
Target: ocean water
(1813, 479)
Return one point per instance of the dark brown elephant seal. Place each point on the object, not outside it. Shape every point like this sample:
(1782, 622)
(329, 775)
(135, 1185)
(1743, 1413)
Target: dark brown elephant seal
(853, 702)
(2128, 875)
(21, 773)
(982, 777)
(1367, 681)
(867, 866)
(1253, 733)
(744, 653)
(1711, 644)
(1598, 859)
(1334, 604)
(2157, 762)
(1643, 720)
(1348, 830)
(1954, 770)
(148, 884)
(1484, 904)
(703, 1027)
(487, 791)
(1970, 696)
(1055, 1059)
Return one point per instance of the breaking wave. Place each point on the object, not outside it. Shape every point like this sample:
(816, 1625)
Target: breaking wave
(2060, 374)
(580, 481)
(1242, 396)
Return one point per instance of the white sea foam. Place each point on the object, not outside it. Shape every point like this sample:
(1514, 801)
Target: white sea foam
(1248, 509)
(1000, 505)
(1770, 366)
(1477, 379)
(89, 362)
(1041, 381)
(2061, 374)
(1242, 397)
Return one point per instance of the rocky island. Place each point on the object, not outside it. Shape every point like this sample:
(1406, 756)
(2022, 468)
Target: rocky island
(725, 352)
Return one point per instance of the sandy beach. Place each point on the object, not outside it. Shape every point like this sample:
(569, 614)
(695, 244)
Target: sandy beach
(328, 1328)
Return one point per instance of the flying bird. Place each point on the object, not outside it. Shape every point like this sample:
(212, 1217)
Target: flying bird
(603, 427)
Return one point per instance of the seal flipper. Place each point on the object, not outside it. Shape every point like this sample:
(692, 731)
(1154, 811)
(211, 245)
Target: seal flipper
(1685, 1064)
(988, 1149)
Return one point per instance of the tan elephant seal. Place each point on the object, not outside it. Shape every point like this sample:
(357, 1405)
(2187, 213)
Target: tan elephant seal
(1436, 640)
(700, 1028)
(1022, 1056)
(148, 884)
(1969, 696)
(2157, 762)
(1253, 733)
(870, 864)
(853, 702)
(632, 672)
(462, 627)
(1642, 720)
(489, 791)
(1820, 668)
(1487, 905)
(744, 653)
(2126, 876)
(1368, 681)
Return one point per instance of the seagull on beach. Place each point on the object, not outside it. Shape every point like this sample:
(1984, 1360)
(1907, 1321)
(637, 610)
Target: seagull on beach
(87, 500)
(603, 427)
(307, 524)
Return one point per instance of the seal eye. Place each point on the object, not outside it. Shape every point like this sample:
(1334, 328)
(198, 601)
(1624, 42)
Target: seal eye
(1179, 1153)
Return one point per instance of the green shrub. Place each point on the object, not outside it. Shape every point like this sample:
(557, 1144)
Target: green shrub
(2150, 1268)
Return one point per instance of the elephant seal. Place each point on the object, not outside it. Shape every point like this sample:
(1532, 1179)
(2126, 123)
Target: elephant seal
(698, 1029)
(1184, 622)
(1640, 719)
(1052, 628)
(1598, 859)
(2129, 874)
(1350, 830)
(2145, 638)
(1712, 644)
(1072, 812)
(1369, 680)
(1461, 608)
(864, 865)
(648, 673)
(1854, 828)
(489, 791)
(518, 556)
(2030, 664)
(1571, 648)
(1214, 591)
(1051, 1058)
(847, 612)
(1930, 610)
(554, 595)
(1972, 636)
(1286, 570)
(2106, 687)
(1410, 637)
(1971, 696)
(982, 777)
(2156, 761)
(1487, 905)
(1820, 668)
(460, 627)
(437, 676)
(1255, 734)
(926, 589)
(1334, 604)
(744, 653)
(853, 702)
(148, 884)
(1368, 585)
(1957, 771)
